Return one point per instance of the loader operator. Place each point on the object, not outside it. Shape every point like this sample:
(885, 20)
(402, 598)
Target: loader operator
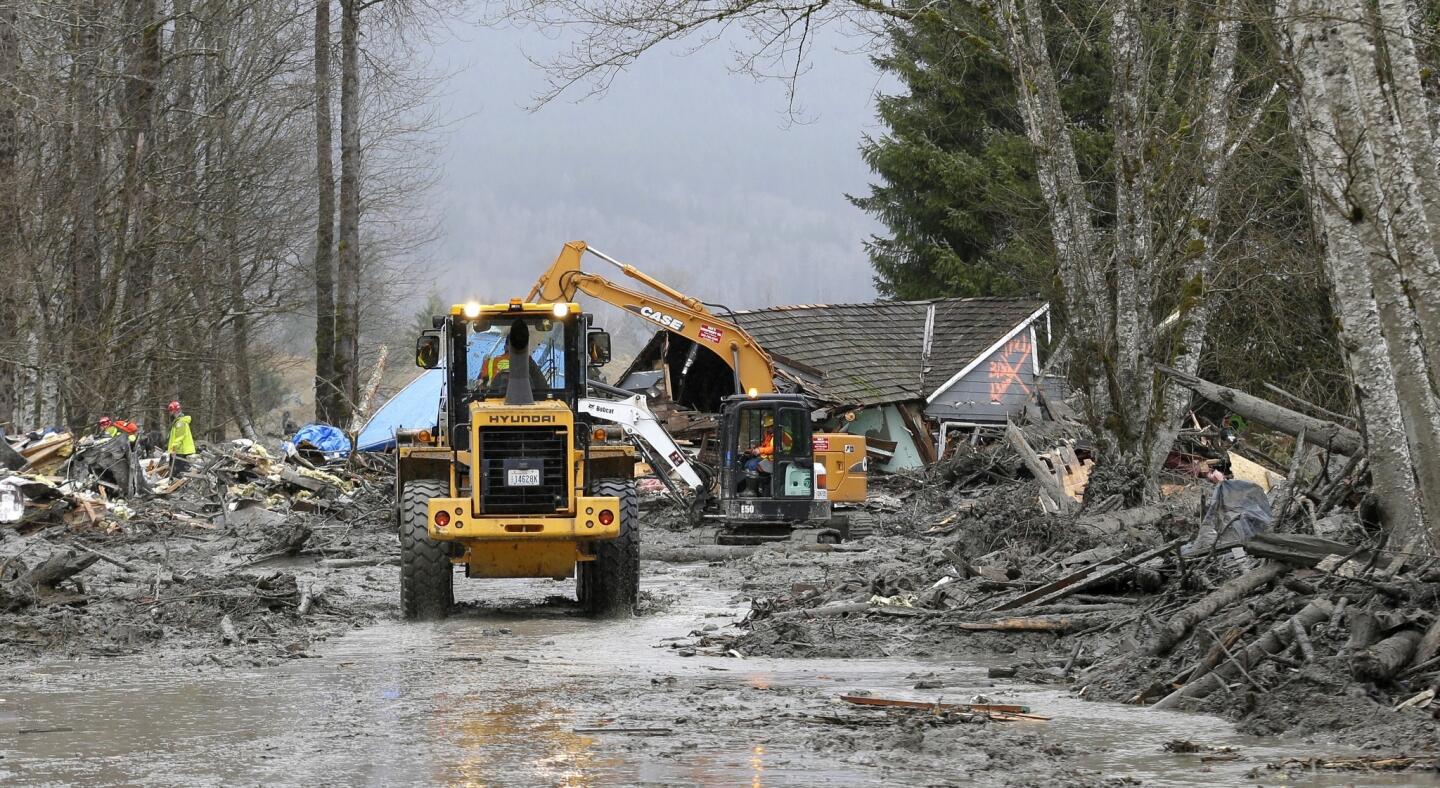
(496, 369)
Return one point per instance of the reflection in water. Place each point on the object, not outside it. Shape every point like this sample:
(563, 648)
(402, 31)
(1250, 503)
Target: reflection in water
(757, 766)
(533, 739)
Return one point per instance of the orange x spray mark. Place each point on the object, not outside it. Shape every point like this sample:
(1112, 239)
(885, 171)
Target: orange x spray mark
(1006, 368)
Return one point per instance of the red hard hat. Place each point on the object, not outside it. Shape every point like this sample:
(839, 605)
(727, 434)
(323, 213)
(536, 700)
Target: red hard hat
(105, 421)
(173, 407)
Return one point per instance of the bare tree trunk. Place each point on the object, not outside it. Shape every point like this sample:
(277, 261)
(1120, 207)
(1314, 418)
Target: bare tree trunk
(85, 249)
(324, 224)
(1126, 354)
(1350, 241)
(1386, 184)
(1061, 184)
(1203, 224)
(9, 219)
(347, 322)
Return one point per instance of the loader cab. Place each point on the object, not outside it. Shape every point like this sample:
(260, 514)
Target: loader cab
(467, 342)
(769, 472)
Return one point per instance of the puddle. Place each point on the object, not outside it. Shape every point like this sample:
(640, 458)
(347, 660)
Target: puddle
(494, 698)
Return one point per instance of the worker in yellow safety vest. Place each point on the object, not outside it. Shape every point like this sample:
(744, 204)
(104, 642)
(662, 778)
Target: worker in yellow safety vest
(182, 442)
(496, 367)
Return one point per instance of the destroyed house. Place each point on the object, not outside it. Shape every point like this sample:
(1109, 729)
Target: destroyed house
(896, 371)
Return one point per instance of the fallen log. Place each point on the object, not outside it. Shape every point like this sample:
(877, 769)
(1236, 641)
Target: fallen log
(1429, 645)
(1082, 579)
(1276, 640)
(1123, 519)
(1319, 432)
(56, 568)
(1379, 663)
(1302, 641)
(1035, 623)
(1228, 593)
(1080, 608)
(24, 590)
(1363, 631)
(1219, 649)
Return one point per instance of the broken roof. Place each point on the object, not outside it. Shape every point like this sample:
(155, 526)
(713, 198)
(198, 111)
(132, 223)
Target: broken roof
(888, 351)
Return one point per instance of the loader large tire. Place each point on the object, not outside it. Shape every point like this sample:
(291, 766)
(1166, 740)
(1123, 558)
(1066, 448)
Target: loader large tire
(612, 580)
(427, 578)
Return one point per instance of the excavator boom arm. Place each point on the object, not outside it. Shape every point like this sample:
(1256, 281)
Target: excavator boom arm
(677, 313)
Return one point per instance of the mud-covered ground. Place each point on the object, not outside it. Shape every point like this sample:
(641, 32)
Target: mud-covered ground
(253, 585)
(519, 688)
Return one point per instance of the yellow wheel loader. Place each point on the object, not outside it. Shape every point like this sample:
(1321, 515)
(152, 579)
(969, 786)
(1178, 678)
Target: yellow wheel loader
(514, 480)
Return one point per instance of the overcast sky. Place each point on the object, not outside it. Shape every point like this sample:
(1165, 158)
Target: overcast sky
(683, 168)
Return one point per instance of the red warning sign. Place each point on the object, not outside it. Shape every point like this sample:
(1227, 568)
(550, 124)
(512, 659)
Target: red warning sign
(819, 443)
(711, 333)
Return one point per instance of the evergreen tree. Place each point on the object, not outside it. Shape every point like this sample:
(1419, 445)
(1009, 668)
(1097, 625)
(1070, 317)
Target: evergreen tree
(957, 186)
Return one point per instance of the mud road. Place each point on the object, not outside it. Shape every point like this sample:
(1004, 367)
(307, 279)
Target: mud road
(519, 689)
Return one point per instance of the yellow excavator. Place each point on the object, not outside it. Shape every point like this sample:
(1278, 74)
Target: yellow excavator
(775, 474)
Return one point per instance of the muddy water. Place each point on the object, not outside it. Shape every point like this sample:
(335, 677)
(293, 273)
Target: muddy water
(495, 697)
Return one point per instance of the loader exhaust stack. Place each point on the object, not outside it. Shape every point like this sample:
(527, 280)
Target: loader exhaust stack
(517, 387)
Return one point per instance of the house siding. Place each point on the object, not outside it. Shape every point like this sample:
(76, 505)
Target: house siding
(885, 422)
(996, 389)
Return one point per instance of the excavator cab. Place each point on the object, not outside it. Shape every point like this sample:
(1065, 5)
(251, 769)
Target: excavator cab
(769, 478)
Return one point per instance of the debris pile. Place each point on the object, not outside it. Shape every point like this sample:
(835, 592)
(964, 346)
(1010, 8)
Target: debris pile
(1287, 611)
(109, 552)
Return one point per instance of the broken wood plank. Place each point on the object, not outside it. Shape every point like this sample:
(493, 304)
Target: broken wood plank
(343, 563)
(1301, 549)
(1043, 475)
(1337, 438)
(982, 708)
(628, 731)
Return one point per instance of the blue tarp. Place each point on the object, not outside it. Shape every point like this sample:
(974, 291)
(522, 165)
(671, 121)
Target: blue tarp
(417, 405)
(412, 407)
(324, 437)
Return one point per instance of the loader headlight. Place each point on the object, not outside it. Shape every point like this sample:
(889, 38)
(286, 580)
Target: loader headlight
(561, 310)
(472, 310)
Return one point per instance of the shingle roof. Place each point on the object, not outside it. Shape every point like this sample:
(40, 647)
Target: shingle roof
(872, 353)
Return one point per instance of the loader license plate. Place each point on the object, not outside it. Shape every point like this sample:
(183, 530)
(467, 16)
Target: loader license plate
(523, 478)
